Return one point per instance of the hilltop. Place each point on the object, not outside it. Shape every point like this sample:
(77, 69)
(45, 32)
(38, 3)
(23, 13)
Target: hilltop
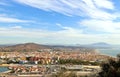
(24, 47)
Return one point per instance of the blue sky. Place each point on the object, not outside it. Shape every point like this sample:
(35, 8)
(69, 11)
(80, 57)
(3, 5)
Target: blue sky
(59, 21)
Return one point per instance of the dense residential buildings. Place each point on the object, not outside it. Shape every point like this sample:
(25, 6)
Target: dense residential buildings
(49, 57)
(32, 59)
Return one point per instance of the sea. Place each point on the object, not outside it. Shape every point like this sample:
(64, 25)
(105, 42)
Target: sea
(111, 52)
(3, 69)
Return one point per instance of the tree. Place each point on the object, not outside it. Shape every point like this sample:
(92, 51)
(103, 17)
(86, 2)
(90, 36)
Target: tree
(111, 68)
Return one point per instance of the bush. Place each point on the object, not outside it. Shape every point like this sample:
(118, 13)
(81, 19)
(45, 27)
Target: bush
(111, 68)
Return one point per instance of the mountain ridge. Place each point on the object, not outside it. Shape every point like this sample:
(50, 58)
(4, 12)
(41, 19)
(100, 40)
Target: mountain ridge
(101, 43)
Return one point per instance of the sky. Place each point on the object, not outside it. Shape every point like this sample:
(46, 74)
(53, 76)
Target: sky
(59, 21)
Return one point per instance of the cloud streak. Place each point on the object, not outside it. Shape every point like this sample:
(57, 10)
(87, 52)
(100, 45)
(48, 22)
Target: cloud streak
(6, 19)
(99, 14)
(12, 20)
(89, 8)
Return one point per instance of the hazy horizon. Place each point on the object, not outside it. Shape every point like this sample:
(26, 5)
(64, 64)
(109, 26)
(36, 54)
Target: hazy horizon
(87, 44)
(60, 21)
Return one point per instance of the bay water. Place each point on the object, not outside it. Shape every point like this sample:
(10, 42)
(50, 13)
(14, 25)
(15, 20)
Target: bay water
(111, 52)
(3, 69)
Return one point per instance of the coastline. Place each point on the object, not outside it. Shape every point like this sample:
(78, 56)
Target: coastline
(105, 54)
(6, 71)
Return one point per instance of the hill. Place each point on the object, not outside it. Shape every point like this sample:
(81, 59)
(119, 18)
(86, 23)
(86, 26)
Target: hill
(101, 45)
(24, 47)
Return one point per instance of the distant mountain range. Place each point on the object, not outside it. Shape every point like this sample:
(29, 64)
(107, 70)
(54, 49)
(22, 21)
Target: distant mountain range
(37, 47)
(101, 44)
(97, 45)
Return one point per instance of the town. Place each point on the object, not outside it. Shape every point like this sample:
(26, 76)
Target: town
(45, 62)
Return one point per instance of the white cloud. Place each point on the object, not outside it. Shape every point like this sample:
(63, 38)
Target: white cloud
(12, 20)
(19, 31)
(97, 18)
(16, 27)
(89, 8)
(59, 37)
(96, 12)
(104, 4)
(101, 25)
(69, 31)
